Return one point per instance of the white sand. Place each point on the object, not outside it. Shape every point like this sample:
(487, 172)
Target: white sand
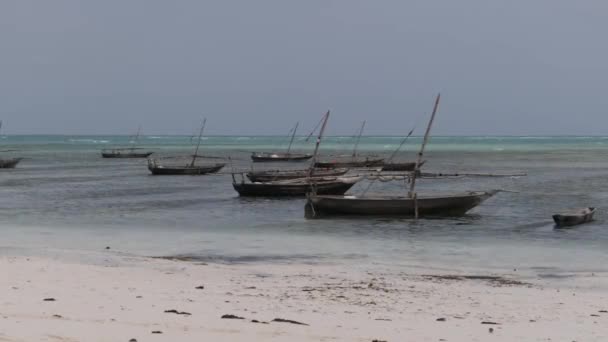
(118, 303)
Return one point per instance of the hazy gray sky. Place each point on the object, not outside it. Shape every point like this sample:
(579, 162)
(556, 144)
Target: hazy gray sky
(514, 67)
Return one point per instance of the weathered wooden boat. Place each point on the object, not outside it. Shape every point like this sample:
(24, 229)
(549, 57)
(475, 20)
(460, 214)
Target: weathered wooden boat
(575, 217)
(351, 163)
(282, 156)
(277, 157)
(413, 204)
(10, 163)
(163, 170)
(131, 152)
(404, 166)
(277, 175)
(158, 168)
(426, 205)
(297, 187)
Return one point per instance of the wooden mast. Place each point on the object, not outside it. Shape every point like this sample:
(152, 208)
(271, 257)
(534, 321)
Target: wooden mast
(293, 136)
(421, 153)
(358, 139)
(200, 135)
(314, 156)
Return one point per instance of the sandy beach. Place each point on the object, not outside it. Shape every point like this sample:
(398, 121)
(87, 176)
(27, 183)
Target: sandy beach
(147, 299)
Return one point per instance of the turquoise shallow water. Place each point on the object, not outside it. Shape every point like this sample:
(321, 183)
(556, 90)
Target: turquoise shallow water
(65, 196)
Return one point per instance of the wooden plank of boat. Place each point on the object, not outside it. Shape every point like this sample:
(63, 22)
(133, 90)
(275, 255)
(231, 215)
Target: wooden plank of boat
(124, 153)
(275, 175)
(428, 205)
(277, 157)
(9, 163)
(297, 187)
(160, 170)
(350, 163)
(573, 218)
(403, 166)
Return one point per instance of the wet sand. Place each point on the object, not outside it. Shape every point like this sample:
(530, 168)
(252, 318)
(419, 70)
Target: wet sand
(146, 299)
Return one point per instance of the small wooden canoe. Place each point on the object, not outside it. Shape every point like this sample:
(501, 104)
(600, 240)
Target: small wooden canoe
(125, 153)
(189, 170)
(574, 217)
(296, 187)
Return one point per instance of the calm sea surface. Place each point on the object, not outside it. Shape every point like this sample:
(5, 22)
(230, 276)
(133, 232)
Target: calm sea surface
(64, 196)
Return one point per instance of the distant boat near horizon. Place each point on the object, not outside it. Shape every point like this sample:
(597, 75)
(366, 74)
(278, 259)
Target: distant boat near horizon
(282, 156)
(127, 152)
(157, 168)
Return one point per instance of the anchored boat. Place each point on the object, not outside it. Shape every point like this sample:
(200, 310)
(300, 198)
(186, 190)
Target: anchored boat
(574, 217)
(277, 175)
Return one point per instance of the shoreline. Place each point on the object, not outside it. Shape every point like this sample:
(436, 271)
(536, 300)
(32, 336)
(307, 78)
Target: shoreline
(152, 299)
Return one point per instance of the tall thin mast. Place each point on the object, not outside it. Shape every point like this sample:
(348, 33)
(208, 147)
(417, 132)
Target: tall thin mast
(358, 139)
(200, 135)
(293, 136)
(314, 156)
(137, 136)
(421, 153)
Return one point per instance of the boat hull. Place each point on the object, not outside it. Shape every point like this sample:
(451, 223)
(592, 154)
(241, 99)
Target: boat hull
(158, 170)
(9, 163)
(452, 205)
(277, 175)
(350, 163)
(126, 155)
(409, 166)
(299, 189)
(573, 219)
(279, 157)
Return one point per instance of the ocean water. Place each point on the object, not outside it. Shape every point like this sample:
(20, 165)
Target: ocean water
(64, 196)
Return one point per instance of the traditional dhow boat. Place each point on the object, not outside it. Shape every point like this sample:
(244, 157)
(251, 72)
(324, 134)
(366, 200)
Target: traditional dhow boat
(10, 163)
(128, 152)
(351, 162)
(411, 205)
(573, 218)
(296, 187)
(192, 170)
(277, 157)
(281, 156)
(426, 205)
(277, 175)
(157, 168)
(405, 166)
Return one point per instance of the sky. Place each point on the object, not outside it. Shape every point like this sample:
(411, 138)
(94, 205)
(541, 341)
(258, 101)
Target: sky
(518, 67)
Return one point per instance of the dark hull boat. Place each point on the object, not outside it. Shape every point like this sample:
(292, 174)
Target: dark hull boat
(124, 153)
(433, 205)
(183, 170)
(407, 166)
(278, 175)
(296, 188)
(278, 157)
(9, 163)
(574, 218)
(350, 163)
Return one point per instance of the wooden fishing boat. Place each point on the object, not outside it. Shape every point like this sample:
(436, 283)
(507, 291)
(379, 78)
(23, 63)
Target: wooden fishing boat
(131, 152)
(426, 205)
(404, 166)
(297, 187)
(127, 152)
(277, 175)
(277, 157)
(350, 163)
(158, 168)
(282, 156)
(9, 163)
(413, 204)
(575, 217)
(161, 170)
